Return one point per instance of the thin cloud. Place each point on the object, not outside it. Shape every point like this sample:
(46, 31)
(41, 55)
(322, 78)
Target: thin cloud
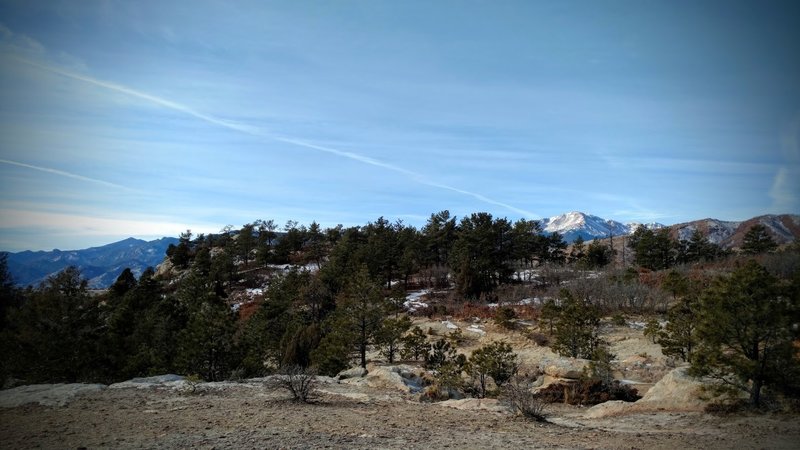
(66, 174)
(254, 131)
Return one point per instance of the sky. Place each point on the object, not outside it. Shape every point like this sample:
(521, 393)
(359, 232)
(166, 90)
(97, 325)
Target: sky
(147, 118)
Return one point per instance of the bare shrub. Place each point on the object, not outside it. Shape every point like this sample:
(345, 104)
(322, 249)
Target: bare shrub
(518, 394)
(301, 382)
(541, 339)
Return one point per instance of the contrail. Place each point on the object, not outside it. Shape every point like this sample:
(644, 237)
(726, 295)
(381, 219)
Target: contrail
(254, 131)
(65, 174)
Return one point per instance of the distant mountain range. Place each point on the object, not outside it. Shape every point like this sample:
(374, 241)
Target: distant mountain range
(577, 224)
(100, 265)
(783, 228)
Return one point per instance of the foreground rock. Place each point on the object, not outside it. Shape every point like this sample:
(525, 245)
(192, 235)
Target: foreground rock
(46, 394)
(677, 391)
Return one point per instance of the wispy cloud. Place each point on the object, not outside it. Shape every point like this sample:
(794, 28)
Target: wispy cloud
(48, 227)
(66, 174)
(784, 191)
(258, 132)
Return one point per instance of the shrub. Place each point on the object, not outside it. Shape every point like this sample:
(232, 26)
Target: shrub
(496, 360)
(652, 330)
(618, 320)
(540, 339)
(415, 345)
(299, 381)
(505, 317)
(519, 396)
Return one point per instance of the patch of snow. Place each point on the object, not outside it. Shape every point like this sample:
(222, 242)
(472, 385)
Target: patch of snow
(476, 329)
(636, 325)
(413, 302)
(449, 325)
(254, 291)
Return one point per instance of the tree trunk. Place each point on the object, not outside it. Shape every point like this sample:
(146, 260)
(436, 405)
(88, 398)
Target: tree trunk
(755, 394)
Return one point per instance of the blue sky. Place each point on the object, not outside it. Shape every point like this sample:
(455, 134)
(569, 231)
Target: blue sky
(146, 118)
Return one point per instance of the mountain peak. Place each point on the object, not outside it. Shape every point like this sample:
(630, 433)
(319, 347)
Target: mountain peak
(576, 224)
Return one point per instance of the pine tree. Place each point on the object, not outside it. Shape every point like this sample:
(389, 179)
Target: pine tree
(746, 330)
(576, 327)
(496, 360)
(758, 240)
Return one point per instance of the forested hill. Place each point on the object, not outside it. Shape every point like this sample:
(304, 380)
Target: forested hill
(100, 265)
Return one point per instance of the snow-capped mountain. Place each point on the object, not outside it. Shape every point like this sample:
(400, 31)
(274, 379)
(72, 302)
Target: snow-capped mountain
(100, 265)
(589, 227)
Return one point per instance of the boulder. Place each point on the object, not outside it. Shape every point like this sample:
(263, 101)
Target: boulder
(676, 391)
(570, 368)
(46, 394)
(355, 372)
(168, 380)
(402, 378)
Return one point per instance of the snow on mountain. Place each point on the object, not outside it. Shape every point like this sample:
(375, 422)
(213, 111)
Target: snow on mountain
(589, 227)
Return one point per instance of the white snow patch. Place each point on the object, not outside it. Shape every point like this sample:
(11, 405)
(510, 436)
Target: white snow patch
(413, 302)
(449, 325)
(476, 329)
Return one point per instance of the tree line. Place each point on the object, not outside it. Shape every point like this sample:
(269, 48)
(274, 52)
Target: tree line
(342, 297)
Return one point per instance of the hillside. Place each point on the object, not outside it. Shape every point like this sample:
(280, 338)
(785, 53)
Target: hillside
(100, 265)
(784, 228)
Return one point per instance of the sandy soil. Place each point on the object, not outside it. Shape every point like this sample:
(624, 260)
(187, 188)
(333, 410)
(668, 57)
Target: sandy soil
(246, 415)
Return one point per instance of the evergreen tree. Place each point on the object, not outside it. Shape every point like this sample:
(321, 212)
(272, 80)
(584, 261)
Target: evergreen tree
(245, 243)
(496, 360)
(758, 240)
(125, 282)
(55, 336)
(578, 251)
(390, 336)
(653, 250)
(576, 327)
(359, 314)
(205, 346)
(746, 330)
(598, 255)
(482, 254)
(679, 336)
(415, 344)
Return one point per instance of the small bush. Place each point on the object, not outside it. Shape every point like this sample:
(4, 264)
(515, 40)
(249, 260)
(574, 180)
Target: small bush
(540, 339)
(505, 317)
(619, 320)
(519, 396)
(299, 381)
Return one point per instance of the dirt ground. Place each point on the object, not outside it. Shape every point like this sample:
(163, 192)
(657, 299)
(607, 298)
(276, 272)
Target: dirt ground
(247, 415)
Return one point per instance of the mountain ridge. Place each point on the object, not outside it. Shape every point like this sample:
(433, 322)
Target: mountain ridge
(576, 224)
(101, 265)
